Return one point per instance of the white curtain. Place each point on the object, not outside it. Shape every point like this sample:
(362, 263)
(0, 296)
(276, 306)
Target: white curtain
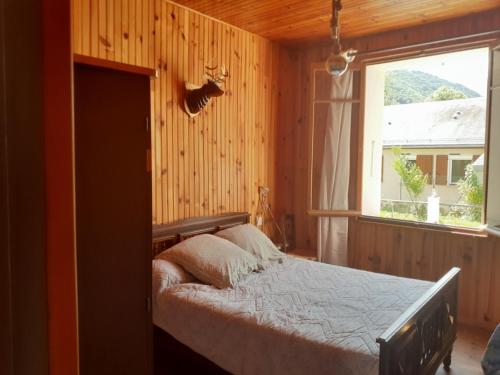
(334, 183)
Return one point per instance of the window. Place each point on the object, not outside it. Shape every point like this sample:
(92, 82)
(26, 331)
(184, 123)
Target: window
(411, 160)
(333, 177)
(424, 130)
(456, 168)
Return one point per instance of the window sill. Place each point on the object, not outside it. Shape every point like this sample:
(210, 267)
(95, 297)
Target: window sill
(493, 230)
(425, 226)
(335, 213)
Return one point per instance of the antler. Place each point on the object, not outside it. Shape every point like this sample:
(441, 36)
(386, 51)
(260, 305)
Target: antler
(224, 73)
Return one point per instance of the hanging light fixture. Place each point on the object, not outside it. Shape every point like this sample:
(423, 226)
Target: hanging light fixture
(338, 61)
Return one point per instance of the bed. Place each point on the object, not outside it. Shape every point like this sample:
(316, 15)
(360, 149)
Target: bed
(301, 317)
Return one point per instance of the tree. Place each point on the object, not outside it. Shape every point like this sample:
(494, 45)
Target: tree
(472, 192)
(404, 86)
(446, 93)
(412, 178)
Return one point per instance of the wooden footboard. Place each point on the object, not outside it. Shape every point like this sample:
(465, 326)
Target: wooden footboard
(422, 338)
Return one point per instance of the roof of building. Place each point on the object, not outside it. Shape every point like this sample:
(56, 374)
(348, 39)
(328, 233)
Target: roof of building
(450, 123)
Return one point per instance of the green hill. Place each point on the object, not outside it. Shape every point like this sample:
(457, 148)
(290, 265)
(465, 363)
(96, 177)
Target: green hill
(406, 86)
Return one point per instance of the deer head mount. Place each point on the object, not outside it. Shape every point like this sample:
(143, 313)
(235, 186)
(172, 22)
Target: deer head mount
(197, 97)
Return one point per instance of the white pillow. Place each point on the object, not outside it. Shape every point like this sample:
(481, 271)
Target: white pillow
(253, 240)
(212, 260)
(167, 274)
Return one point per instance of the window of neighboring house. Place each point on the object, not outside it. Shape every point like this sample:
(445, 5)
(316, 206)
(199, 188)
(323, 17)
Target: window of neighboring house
(411, 160)
(424, 129)
(457, 165)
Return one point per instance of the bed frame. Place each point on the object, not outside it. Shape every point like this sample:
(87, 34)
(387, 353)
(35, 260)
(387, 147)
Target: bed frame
(415, 344)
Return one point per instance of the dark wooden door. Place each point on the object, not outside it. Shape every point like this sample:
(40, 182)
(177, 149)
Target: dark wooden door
(113, 216)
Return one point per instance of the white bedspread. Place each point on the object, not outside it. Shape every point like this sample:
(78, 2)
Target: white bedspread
(300, 317)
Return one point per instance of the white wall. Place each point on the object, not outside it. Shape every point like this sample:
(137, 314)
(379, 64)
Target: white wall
(372, 142)
(493, 208)
(391, 186)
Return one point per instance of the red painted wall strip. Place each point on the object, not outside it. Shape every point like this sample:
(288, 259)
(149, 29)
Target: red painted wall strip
(59, 164)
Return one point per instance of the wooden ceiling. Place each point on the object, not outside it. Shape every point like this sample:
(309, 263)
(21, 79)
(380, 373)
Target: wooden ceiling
(296, 21)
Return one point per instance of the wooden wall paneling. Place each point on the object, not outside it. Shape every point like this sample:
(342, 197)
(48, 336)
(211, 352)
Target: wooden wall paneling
(250, 94)
(117, 30)
(493, 305)
(202, 123)
(208, 124)
(182, 119)
(222, 106)
(94, 28)
(101, 29)
(146, 17)
(230, 162)
(178, 118)
(240, 144)
(171, 123)
(156, 120)
(132, 20)
(125, 32)
(214, 162)
(427, 255)
(288, 91)
(110, 32)
(245, 105)
(217, 122)
(162, 92)
(76, 19)
(204, 194)
(248, 131)
(273, 72)
(255, 110)
(194, 36)
(165, 97)
(231, 192)
(192, 123)
(84, 24)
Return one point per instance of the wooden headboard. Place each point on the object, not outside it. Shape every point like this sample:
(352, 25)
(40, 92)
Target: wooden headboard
(167, 235)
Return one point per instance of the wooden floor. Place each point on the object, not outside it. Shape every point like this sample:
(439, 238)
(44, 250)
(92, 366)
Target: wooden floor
(467, 352)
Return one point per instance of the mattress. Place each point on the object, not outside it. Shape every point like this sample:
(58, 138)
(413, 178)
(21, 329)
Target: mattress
(299, 317)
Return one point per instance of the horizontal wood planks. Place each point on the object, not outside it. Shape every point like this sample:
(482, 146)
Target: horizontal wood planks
(215, 162)
(428, 255)
(295, 21)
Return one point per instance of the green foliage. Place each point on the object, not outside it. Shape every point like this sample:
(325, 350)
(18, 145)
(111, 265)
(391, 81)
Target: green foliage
(472, 192)
(412, 178)
(443, 219)
(406, 86)
(445, 93)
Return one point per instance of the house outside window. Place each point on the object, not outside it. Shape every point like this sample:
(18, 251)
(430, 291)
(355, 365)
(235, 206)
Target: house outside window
(434, 135)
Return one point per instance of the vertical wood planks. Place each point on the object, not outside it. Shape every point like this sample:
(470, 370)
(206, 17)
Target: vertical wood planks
(428, 255)
(215, 162)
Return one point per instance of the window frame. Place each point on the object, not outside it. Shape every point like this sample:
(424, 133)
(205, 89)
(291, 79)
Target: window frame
(456, 157)
(311, 211)
(493, 86)
(443, 48)
(410, 157)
